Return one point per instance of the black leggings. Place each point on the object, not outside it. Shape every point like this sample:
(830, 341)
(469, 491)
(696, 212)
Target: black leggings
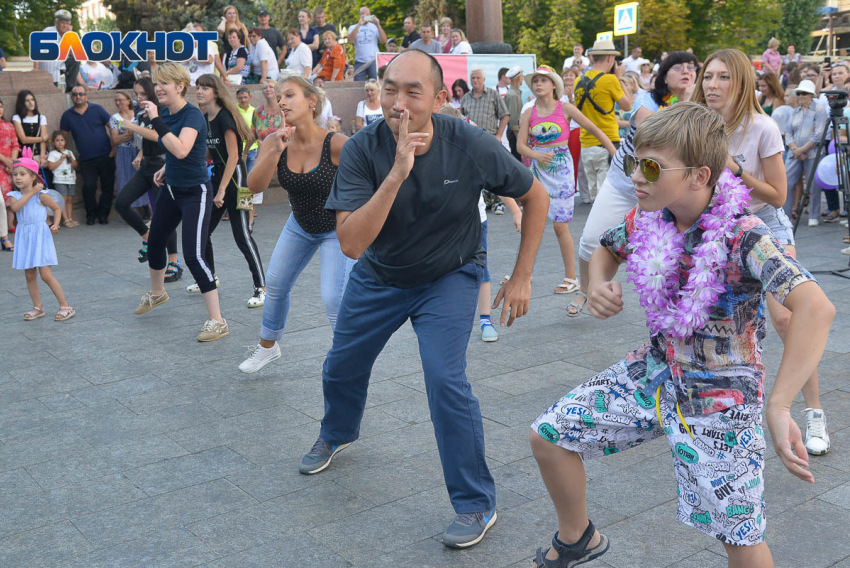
(238, 224)
(139, 184)
(193, 206)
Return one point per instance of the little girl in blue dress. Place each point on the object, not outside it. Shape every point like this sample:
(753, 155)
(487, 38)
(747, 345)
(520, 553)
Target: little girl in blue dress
(34, 249)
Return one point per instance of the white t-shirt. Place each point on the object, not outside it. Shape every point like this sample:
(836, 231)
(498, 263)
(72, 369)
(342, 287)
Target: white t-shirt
(54, 67)
(482, 208)
(571, 61)
(31, 119)
(463, 48)
(64, 174)
(327, 114)
(502, 90)
(264, 52)
(632, 64)
(761, 140)
(97, 76)
(368, 115)
(196, 69)
(366, 44)
(301, 58)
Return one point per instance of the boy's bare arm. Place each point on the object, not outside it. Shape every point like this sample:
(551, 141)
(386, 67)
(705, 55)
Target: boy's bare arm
(605, 297)
(811, 317)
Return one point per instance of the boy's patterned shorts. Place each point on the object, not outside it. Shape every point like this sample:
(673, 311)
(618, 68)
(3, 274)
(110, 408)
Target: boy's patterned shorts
(719, 472)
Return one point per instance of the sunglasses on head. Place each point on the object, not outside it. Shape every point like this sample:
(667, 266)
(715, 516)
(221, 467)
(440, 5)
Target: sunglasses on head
(650, 168)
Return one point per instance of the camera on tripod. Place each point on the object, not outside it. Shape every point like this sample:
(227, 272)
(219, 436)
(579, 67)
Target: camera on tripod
(837, 101)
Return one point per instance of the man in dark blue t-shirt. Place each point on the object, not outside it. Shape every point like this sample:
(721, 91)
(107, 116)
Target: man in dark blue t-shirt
(88, 123)
(406, 201)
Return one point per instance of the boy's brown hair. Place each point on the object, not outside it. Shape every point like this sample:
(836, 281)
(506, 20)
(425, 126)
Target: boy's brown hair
(695, 134)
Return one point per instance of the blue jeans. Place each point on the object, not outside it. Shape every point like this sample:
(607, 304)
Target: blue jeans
(369, 69)
(292, 253)
(794, 168)
(442, 314)
(250, 158)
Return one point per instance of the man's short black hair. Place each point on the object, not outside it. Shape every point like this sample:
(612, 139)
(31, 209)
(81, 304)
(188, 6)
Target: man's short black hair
(426, 25)
(436, 70)
(502, 72)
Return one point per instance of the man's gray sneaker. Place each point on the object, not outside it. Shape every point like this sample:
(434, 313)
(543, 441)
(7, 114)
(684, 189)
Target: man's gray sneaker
(319, 458)
(468, 529)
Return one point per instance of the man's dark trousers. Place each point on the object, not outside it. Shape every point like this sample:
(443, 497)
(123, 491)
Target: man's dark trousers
(102, 167)
(442, 315)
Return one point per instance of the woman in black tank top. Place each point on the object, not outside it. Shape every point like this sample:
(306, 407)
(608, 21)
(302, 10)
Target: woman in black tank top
(305, 158)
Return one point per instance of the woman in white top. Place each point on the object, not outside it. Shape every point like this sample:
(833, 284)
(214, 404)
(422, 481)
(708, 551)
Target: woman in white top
(369, 110)
(263, 57)
(300, 57)
(31, 126)
(726, 85)
(459, 44)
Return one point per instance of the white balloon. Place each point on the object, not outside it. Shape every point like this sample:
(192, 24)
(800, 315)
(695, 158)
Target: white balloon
(826, 170)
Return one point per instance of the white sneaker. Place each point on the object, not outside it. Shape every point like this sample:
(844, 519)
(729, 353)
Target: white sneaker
(259, 357)
(817, 438)
(258, 299)
(846, 251)
(813, 222)
(195, 289)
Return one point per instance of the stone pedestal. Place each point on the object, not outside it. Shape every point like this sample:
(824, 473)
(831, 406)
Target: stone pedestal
(484, 21)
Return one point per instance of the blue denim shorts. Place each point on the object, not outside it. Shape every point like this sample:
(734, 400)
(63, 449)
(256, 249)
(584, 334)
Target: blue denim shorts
(484, 246)
(778, 223)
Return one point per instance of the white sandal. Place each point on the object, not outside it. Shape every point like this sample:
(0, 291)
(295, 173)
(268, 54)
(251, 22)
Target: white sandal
(568, 286)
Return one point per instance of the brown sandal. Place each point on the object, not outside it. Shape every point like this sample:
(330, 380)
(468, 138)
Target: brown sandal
(64, 313)
(34, 313)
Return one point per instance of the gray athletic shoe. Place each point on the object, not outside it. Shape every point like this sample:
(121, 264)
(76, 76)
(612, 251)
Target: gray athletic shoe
(468, 529)
(319, 458)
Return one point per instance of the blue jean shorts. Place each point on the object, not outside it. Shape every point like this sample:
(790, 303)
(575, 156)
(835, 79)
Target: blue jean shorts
(778, 223)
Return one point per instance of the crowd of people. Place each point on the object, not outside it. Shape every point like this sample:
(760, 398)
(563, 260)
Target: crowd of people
(689, 168)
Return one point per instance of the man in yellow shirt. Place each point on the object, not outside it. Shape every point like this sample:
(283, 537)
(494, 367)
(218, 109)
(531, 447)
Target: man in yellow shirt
(249, 156)
(596, 92)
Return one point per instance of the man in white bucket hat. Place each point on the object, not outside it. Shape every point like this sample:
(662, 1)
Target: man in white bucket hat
(595, 94)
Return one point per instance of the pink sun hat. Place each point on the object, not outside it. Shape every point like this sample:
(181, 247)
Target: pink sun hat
(26, 161)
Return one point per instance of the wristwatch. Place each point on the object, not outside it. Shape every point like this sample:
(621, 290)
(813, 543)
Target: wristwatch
(740, 171)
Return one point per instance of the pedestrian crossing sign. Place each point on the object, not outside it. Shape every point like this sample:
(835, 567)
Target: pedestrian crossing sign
(602, 36)
(625, 19)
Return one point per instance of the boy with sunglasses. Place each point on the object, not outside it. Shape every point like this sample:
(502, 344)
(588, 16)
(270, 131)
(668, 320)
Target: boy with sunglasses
(701, 265)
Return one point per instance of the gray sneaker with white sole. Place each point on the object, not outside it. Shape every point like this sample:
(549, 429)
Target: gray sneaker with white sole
(468, 529)
(319, 457)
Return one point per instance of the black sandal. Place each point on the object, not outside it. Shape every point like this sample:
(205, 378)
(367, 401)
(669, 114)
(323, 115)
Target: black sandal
(570, 555)
(143, 252)
(173, 272)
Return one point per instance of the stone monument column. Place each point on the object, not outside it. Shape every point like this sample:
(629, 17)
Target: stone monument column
(484, 21)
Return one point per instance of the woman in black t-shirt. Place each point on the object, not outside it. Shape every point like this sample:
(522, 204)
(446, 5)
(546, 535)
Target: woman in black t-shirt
(150, 159)
(225, 139)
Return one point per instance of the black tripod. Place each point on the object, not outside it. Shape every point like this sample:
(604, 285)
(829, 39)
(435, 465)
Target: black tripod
(838, 124)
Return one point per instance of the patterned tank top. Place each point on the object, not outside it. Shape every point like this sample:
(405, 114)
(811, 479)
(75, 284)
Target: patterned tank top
(552, 129)
(309, 191)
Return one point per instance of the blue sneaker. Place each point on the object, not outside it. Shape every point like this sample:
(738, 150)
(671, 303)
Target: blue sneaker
(319, 457)
(468, 529)
(489, 333)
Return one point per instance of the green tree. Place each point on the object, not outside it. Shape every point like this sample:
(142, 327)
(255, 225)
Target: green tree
(740, 24)
(799, 18)
(26, 16)
(662, 26)
(546, 28)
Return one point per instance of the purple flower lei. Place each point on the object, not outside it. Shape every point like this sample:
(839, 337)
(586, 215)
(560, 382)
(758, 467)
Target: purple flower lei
(657, 247)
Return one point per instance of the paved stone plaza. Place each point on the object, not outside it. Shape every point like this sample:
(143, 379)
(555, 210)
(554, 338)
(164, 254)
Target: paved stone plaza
(124, 442)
